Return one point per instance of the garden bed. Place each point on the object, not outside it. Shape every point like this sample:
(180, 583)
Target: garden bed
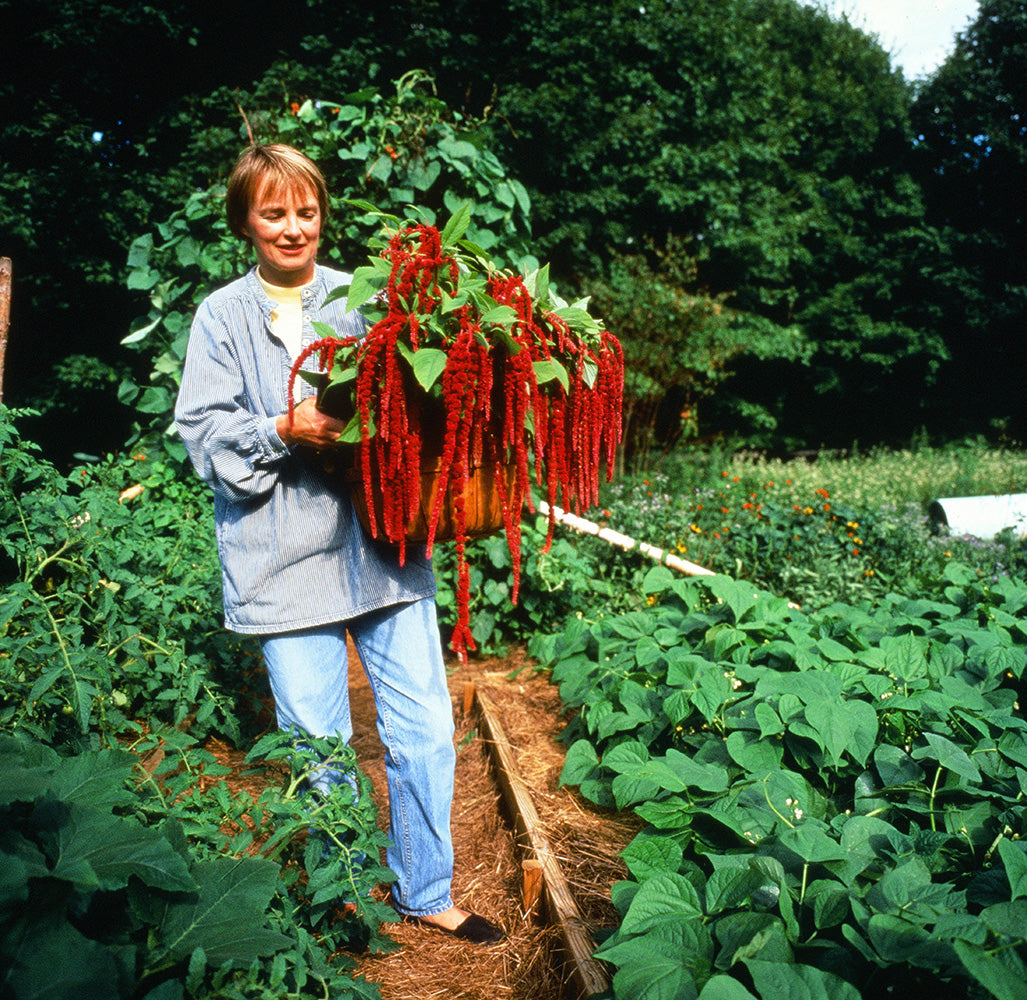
(488, 877)
(532, 963)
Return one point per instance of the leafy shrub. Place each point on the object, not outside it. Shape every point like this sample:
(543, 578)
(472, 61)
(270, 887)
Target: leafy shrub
(109, 608)
(835, 800)
(104, 895)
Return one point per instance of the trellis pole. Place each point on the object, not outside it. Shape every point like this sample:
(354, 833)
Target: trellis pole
(5, 314)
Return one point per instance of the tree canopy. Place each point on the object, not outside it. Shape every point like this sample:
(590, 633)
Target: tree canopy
(872, 232)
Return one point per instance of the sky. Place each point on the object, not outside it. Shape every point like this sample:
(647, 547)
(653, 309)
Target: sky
(919, 34)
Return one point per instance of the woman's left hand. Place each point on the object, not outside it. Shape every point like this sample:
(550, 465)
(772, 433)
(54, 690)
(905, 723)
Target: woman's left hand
(309, 426)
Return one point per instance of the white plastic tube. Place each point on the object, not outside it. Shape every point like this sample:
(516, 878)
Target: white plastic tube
(661, 556)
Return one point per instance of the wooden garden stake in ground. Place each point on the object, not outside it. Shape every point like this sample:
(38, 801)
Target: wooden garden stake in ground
(5, 314)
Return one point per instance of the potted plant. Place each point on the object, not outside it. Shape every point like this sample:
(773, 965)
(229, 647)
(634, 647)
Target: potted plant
(471, 383)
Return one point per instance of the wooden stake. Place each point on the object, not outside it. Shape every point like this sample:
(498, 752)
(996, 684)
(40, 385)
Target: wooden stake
(533, 882)
(468, 697)
(5, 314)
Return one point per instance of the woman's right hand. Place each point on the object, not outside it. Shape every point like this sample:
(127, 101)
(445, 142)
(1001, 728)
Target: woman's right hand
(309, 426)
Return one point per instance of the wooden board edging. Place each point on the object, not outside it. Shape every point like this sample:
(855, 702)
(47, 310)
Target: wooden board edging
(589, 975)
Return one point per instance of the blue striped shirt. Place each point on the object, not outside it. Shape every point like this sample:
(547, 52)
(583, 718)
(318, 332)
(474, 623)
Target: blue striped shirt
(293, 554)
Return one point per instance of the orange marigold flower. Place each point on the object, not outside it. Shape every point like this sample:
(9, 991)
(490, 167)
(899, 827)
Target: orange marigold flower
(294, 108)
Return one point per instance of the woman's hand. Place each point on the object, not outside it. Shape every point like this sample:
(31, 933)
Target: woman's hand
(309, 426)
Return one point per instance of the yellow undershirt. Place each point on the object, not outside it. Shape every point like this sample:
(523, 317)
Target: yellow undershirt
(287, 316)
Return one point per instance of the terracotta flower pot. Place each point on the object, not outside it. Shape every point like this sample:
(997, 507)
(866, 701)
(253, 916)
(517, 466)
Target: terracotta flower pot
(483, 508)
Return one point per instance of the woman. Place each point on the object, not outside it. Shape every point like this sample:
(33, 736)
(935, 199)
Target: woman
(298, 570)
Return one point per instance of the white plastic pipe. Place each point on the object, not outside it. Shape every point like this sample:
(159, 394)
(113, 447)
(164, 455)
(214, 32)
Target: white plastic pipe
(983, 517)
(616, 538)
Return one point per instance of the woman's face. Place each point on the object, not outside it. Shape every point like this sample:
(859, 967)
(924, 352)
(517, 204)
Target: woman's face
(284, 225)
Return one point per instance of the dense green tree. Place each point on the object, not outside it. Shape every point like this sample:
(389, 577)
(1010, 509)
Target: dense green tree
(773, 137)
(770, 137)
(971, 120)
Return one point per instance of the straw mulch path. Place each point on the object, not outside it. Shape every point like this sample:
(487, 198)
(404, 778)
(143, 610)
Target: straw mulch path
(487, 877)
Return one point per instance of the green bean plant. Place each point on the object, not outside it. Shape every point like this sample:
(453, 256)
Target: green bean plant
(834, 800)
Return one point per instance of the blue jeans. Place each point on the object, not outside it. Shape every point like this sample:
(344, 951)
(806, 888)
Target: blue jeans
(402, 656)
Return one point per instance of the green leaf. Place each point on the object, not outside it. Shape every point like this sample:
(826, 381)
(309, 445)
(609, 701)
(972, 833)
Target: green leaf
(665, 900)
(105, 851)
(947, 754)
(738, 595)
(550, 369)
(724, 988)
(648, 855)
(45, 959)
(812, 844)
(456, 226)
(658, 579)
(428, 364)
(844, 726)
(580, 762)
(227, 917)
(1014, 861)
(777, 981)
(498, 316)
(1002, 974)
(653, 975)
(754, 753)
(367, 282)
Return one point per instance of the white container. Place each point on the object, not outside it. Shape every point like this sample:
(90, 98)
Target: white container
(983, 517)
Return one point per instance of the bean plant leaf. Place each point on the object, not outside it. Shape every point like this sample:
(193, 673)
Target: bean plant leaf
(1002, 974)
(947, 754)
(1015, 862)
(724, 988)
(739, 596)
(647, 856)
(777, 981)
(845, 726)
(661, 903)
(580, 762)
(653, 975)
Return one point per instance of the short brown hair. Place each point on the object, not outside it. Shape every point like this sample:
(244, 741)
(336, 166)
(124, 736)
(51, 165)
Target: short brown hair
(275, 163)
